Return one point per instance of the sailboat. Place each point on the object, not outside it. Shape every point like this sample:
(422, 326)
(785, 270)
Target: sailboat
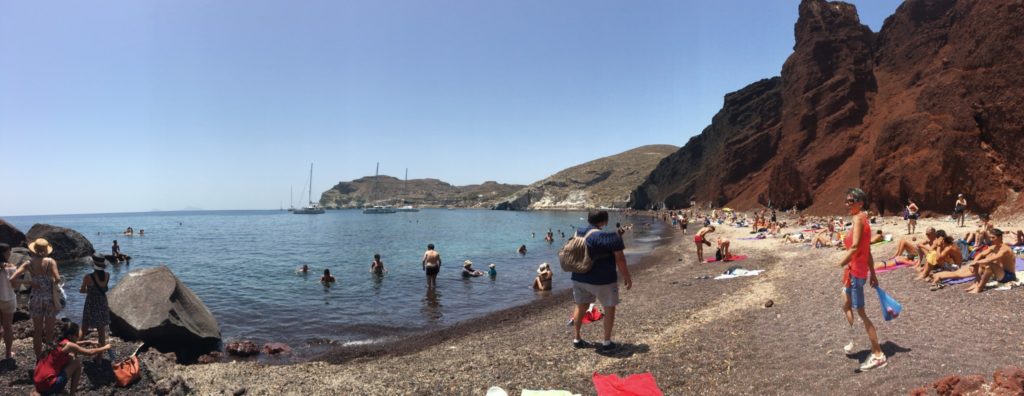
(405, 191)
(378, 209)
(313, 207)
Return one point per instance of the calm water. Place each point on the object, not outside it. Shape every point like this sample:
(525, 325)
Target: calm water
(242, 265)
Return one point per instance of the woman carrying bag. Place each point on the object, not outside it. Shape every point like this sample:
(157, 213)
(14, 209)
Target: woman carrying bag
(858, 269)
(96, 313)
(41, 306)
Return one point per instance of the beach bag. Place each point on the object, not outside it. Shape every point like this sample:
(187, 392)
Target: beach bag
(59, 298)
(890, 307)
(126, 371)
(574, 256)
(718, 254)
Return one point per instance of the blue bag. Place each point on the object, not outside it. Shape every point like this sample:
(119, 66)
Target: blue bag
(890, 307)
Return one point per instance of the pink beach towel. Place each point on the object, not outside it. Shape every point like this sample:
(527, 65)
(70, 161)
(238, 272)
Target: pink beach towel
(634, 385)
(735, 257)
(892, 268)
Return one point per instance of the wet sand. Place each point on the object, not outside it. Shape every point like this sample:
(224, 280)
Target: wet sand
(697, 336)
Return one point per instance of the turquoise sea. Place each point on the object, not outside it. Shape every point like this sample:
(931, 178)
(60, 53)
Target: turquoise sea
(242, 265)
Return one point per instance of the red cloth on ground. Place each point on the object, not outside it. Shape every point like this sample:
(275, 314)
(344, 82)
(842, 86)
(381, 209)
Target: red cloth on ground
(634, 385)
(592, 315)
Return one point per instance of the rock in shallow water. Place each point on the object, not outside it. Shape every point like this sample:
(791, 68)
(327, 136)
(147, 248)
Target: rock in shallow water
(242, 349)
(154, 306)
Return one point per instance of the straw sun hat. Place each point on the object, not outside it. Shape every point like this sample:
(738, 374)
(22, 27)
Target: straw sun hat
(542, 267)
(41, 247)
(467, 263)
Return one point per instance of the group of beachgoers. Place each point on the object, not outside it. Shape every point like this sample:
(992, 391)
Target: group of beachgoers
(981, 256)
(58, 367)
(131, 232)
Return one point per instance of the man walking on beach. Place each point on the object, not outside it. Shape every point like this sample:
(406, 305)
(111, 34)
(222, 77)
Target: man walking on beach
(601, 282)
(432, 265)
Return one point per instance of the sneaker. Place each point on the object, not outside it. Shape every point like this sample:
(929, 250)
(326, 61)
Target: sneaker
(848, 348)
(610, 346)
(578, 344)
(873, 362)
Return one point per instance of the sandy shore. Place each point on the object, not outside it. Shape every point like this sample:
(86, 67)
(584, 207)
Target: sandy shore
(696, 336)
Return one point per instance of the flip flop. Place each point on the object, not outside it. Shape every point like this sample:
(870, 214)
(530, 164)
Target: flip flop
(937, 287)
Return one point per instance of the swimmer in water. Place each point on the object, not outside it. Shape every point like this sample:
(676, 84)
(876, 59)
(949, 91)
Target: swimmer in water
(304, 269)
(377, 266)
(327, 279)
(522, 249)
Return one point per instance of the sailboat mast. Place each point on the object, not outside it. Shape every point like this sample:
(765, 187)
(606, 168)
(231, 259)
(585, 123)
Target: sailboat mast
(405, 188)
(310, 193)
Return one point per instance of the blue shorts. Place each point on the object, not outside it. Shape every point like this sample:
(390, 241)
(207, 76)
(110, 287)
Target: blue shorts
(856, 292)
(58, 385)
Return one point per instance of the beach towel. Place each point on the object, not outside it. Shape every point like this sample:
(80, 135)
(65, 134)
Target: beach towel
(898, 265)
(593, 314)
(527, 392)
(735, 257)
(634, 385)
(890, 307)
(751, 238)
(1019, 267)
(738, 272)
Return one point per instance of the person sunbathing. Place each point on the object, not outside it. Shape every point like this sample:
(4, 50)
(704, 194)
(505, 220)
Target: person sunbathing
(946, 255)
(999, 264)
(981, 235)
(822, 239)
(878, 237)
(796, 237)
(967, 270)
(912, 248)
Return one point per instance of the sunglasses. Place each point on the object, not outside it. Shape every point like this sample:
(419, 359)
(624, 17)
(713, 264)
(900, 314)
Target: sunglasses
(851, 200)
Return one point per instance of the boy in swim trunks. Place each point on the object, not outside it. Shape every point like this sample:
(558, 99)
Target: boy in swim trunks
(701, 239)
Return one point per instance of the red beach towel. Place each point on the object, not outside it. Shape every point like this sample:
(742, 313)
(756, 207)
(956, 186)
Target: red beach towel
(735, 257)
(634, 385)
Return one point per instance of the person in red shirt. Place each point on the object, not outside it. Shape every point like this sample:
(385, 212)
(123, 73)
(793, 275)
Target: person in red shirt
(858, 269)
(59, 365)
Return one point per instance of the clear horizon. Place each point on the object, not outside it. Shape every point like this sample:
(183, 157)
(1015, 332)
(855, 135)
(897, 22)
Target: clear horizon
(135, 107)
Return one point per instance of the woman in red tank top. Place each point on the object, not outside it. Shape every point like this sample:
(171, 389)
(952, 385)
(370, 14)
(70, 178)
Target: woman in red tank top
(58, 367)
(858, 269)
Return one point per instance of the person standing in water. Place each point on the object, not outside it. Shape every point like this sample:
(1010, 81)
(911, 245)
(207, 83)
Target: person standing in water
(431, 265)
(377, 266)
(858, 269)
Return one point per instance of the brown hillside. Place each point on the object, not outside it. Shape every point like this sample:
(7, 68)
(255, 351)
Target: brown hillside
(605, 181)
(420, 192)
(930, 106)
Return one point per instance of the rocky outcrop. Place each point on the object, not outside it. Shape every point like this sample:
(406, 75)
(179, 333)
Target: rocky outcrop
(930, 106)
(154, 306)
(420, 192)
(1006, 381)
(605, 182)
(11, 235)
(68, 245)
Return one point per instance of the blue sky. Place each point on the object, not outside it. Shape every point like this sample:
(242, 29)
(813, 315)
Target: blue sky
(123, 106)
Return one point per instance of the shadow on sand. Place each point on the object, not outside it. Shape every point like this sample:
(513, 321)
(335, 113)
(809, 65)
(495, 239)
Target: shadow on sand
(625, 350)
(889, 348)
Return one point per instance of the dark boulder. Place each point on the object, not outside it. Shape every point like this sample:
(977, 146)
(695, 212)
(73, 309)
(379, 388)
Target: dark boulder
(275, 348)
(242, 348)
(11, 235)
(154, 306)
(68, 245)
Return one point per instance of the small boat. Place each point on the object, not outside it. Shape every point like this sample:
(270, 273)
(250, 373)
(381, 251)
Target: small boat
(313, 207)
(407, 208)
(378, 209)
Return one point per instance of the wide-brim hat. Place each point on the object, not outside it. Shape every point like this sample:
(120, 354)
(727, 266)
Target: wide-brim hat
(41, 247)
(542, 267)
(491, 265)
(467, 263)
(99, 261)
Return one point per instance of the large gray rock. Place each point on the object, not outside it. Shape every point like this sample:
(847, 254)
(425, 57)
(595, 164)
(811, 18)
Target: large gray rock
(68, 245)
(11, 235)
(154, 306)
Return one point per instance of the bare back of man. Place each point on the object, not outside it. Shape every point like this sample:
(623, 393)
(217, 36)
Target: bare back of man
(431, 265)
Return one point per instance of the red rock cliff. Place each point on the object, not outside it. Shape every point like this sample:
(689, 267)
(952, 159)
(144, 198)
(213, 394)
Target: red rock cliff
(930, 106)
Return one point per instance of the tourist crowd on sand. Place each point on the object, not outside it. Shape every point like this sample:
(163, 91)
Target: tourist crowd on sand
(57, 355)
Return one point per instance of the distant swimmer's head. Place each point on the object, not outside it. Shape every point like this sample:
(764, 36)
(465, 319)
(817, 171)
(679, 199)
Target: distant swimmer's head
(430, 246)
(327, 272)
(376, 257)
(597, 217)
(491, 265)
(543, 267)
